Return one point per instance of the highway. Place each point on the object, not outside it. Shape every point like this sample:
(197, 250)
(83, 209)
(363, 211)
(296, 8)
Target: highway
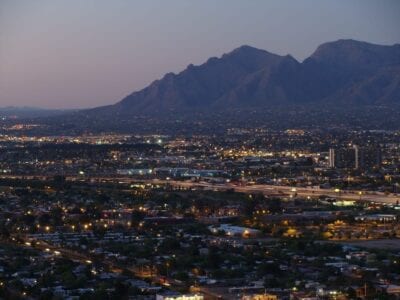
(369, 196)
(287, 190)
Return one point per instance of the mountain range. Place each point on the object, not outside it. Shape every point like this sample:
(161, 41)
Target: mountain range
(343, 72)
(32, 112)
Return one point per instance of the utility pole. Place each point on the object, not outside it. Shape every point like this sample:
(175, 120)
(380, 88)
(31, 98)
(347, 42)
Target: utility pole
(365, 289)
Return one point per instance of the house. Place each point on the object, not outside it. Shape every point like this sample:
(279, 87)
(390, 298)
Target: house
(231, 230)
(177, 296)
(260, 297)
(391, 289)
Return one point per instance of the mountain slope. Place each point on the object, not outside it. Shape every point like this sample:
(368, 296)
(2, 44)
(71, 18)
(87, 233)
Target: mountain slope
(340, 72)
(381, 88)
(200, 86)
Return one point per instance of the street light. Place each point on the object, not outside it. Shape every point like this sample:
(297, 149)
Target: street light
(338, 191)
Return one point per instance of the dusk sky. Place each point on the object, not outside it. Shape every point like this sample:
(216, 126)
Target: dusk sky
(85, 53)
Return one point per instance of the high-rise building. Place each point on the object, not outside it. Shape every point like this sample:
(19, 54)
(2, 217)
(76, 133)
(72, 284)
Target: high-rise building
(343, 158)
(355, 157)
(369, 157)
(331, 158)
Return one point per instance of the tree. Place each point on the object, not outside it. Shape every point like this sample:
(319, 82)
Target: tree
(136, 217)
(59, 181)
(274, 205)
(213, 258)
(169, 245)
(250, 204)
(121, 290)
(271, 282)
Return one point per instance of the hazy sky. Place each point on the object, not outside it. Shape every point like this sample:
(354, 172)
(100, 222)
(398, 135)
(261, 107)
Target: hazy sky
(84, 53)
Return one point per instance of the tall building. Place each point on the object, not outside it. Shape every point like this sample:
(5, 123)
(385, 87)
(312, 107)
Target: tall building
(343, 158)
(369, 157)
(331, 158)
(355, 157)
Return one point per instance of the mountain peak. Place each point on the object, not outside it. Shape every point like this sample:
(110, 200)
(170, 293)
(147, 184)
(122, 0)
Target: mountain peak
(356, 53)
(248, 50)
